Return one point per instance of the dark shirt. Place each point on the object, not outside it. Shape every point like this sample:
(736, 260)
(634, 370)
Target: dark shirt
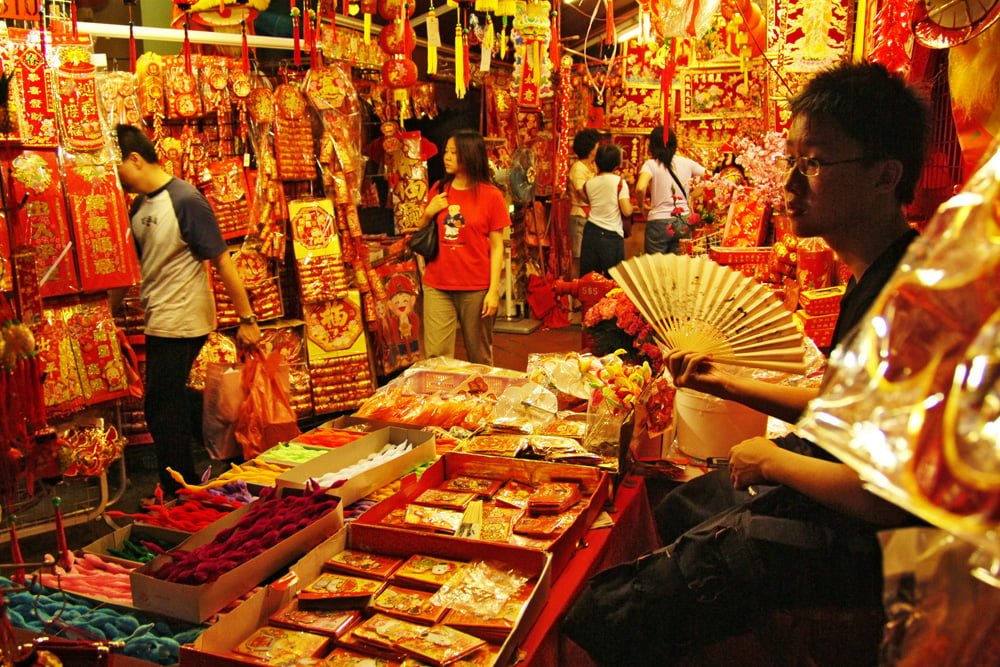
(858, 299)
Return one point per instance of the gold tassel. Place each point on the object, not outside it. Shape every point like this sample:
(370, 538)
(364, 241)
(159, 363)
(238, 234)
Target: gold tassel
(459, 63)
(368, 28)
(506, 7)
(503, 39)
(433, 40)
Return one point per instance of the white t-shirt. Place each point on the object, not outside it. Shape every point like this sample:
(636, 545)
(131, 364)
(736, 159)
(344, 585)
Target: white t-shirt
(664, 194)
(175, 231)
(603, 192)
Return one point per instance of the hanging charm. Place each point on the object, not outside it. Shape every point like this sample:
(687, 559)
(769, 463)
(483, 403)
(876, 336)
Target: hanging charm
(131, 36)
(296, 47)
(459, 63)
(433, 40)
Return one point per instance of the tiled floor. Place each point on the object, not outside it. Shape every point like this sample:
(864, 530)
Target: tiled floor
(510, 351)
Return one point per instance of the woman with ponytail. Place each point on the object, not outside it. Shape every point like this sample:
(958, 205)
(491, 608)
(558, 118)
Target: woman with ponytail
(666, 177)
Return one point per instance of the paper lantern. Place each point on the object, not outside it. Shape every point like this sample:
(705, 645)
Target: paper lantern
(399, 72)
(389, 9)
(398, 42)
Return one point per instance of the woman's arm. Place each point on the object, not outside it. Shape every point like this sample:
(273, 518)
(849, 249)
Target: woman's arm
(437, 203)
(492, 301)
(625, 205)
(641, 184)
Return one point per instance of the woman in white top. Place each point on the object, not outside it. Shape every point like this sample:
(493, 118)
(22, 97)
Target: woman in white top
(667, 178)
(604, 233)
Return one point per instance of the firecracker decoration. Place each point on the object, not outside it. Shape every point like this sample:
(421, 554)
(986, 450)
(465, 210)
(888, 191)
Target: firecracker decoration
(76, 91)
(564, 91)
(891, 36)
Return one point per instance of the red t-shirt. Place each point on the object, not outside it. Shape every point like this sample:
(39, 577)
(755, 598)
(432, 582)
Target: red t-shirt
(463, 261)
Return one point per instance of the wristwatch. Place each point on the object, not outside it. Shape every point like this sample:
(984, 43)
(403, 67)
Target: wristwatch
(249, 319)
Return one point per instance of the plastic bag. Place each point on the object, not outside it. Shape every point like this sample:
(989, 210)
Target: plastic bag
(266, 417)
(222, 398)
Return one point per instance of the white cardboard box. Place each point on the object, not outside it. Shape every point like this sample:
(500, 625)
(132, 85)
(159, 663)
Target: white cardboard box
(213, 647)
(196, 603)
(359, 486)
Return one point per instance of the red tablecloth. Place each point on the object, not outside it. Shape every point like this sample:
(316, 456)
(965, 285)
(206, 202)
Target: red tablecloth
(633, 534)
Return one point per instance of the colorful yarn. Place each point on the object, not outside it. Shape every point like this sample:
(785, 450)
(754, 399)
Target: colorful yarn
(40, 610)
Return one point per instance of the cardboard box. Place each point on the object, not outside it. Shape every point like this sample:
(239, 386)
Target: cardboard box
(359, 486)
(196, 603)
(116, 540)
(212, 648)
(593, 486)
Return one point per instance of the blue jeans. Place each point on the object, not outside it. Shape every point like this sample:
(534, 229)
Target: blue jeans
(664, 236)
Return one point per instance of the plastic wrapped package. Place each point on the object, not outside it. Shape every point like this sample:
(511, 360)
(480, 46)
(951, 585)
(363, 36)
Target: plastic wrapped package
(939, 612)
(911, 401)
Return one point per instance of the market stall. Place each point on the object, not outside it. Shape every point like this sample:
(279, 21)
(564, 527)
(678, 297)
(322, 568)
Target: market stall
(431, 511)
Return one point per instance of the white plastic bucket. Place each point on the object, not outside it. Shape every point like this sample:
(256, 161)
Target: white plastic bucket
(709, 427)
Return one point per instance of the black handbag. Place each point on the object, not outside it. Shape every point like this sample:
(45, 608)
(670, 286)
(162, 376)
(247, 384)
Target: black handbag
(424, 241)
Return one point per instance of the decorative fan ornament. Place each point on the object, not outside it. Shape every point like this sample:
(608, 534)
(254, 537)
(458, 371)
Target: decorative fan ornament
(942, 24)
(695, 304)
(521, 176)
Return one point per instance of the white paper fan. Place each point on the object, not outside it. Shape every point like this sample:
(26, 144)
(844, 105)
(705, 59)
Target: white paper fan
(695, 304)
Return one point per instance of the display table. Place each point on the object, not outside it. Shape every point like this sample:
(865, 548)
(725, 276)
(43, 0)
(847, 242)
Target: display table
(633, 534)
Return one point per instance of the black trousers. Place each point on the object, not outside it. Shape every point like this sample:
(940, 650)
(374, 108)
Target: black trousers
(173, 411)
(601, 249)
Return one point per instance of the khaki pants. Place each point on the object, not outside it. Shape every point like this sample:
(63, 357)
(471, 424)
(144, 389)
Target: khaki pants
(444, 310)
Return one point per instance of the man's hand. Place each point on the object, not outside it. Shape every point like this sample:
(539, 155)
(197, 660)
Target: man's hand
(248, 335)
(491, 303)
(749, 460)
(693, 370)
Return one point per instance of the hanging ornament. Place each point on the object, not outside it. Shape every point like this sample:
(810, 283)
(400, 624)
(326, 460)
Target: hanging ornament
(296, 14)
(486, 48)
(609, 23)
(223, 14)
(369, 7)
(433, 39)
(398, 42)
(244, 48)
(459, 63)
(131, 36)
(399, 72)
(185, 7)
(390, 9)
(889, 39)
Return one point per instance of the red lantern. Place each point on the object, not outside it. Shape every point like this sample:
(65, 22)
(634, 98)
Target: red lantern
(399, 72)
(394, 41)
(389, 9)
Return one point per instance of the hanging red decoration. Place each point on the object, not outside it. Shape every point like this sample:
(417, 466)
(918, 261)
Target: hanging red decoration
(390, 9)
(399, 72)
(891, 35)
(398, 42)
(368, 7)
(295, 13)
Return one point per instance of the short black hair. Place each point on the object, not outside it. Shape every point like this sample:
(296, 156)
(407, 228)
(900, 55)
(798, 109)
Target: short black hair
(608, 158)
(133, 140)
(876, 108)
(584, 142)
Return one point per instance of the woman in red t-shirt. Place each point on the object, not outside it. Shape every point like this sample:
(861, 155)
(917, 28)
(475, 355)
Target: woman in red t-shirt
(462, 284)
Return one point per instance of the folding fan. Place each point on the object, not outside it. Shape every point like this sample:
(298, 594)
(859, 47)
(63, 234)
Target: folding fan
(695, 304)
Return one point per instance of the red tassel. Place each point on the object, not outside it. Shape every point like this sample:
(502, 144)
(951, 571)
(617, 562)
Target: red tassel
(244, 49)
(315, 61)
(465, 55)
(64, 557)
(555, 45)
(296, 50)
(131, 44)
(307, 26)
(18, 577)
(73, 18)
(187, 48)
(609, 23)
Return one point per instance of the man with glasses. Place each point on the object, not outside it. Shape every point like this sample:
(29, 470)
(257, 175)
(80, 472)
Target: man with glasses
(785, 525)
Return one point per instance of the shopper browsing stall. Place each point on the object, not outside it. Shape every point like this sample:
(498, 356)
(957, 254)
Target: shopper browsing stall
(807, 536)
(666, 177)
(608, 197)
(462, 284)
(582, 170)
(175, 231)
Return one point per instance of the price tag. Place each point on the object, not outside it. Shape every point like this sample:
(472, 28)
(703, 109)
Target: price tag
(433, 32)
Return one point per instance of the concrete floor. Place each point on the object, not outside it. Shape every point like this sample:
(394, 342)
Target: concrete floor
(509, 350)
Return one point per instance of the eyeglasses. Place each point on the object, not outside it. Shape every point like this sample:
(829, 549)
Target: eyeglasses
(810, 166)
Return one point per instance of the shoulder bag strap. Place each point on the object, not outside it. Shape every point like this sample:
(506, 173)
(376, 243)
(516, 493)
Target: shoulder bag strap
(677, 181)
